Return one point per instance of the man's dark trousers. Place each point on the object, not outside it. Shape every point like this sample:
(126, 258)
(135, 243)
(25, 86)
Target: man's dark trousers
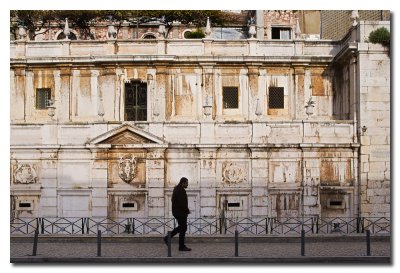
(181, 229)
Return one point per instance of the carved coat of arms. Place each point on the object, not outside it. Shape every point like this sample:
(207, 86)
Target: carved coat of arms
(25, 174)
(233, 174)
(127, 168)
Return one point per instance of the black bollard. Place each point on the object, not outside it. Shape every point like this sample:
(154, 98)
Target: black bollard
(303, 241)
(236, 243)
(35, 242)
(368, 242)
(169, 243)
(98, 243)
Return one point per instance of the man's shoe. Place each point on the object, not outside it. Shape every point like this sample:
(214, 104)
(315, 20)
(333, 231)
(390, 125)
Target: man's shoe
(185, 248)
(166, 240)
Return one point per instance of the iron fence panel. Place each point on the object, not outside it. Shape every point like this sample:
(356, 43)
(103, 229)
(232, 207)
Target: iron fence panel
(290, 226)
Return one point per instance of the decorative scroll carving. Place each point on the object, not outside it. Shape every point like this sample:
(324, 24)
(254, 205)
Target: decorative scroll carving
(233, 173)
(25, 174)
(127, 168)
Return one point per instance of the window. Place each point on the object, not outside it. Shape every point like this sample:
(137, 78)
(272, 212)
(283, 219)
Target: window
(43, 96)
(149, 36)
(71, 36)
(136, 101)
(280, 33)
(230, 97)
(276, 98)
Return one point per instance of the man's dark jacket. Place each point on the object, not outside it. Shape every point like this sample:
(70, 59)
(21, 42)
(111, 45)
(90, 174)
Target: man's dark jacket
(179, 202)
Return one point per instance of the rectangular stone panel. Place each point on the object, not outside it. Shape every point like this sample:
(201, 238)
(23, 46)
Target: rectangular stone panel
(178, 169)
(71, 205)
(284, 172)
(74, 175)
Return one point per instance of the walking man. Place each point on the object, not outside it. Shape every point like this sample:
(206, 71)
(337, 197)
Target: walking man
(180, 211)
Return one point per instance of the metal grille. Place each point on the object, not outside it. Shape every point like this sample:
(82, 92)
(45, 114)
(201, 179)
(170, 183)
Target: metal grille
(42, 98)
(230, 97)
(136, 101)
(276, 98)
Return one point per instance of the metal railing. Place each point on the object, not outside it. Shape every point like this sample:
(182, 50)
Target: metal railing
(200, 226)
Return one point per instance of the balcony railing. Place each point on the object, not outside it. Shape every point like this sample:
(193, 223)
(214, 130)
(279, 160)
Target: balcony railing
(90, 50)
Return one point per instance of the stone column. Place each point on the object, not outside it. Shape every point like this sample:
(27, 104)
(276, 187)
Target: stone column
(299, 73)
(208, 177)
(29, 95)
(259, 182)
(311, 183)
(63, 98)
(75, 85)
(99, 170)
(17, 86)
(94, 90)
(253, 74)
(260, 24)
(120, 96)
(208, 87)
(163, 93)
(207, 126)
(155, 169)
(48, 180)
(353, 92)
(106, 93)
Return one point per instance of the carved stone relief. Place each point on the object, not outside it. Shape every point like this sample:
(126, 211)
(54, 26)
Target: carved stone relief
(284, 172)
(233, 173)
(127, 168)
(335, 172)
(25, 174)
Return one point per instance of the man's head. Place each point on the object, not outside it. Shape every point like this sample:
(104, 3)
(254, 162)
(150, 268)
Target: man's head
(184, 182)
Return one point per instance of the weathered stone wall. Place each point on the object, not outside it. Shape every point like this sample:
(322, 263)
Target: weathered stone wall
(258, 161)
(80, 93)
(374, 124)
(280, 18)
(362, 92)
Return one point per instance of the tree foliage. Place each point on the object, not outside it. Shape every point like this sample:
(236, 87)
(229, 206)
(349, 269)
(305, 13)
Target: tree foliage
(35, 20)
(197, 34)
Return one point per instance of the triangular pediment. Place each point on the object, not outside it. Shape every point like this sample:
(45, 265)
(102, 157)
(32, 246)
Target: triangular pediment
(126, 137)
(126, 134)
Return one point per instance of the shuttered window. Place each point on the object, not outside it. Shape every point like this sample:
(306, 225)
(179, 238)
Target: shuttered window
(136, 101)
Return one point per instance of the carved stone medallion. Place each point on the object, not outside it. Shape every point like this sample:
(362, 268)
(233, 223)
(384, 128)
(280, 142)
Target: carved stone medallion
(233, 174)
(25, 174)
(127, 168)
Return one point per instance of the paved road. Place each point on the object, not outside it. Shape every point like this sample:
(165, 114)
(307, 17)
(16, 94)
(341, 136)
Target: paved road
(218, 249)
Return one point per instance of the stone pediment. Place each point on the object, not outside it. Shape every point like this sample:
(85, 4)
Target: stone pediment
(126, 135)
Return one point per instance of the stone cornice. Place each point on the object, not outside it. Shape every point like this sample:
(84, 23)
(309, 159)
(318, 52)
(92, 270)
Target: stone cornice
(171, 60)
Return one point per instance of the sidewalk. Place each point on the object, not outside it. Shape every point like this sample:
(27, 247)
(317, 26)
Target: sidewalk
(217, 249)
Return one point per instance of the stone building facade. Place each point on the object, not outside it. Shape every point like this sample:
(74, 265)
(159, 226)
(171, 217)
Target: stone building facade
(106, 128)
